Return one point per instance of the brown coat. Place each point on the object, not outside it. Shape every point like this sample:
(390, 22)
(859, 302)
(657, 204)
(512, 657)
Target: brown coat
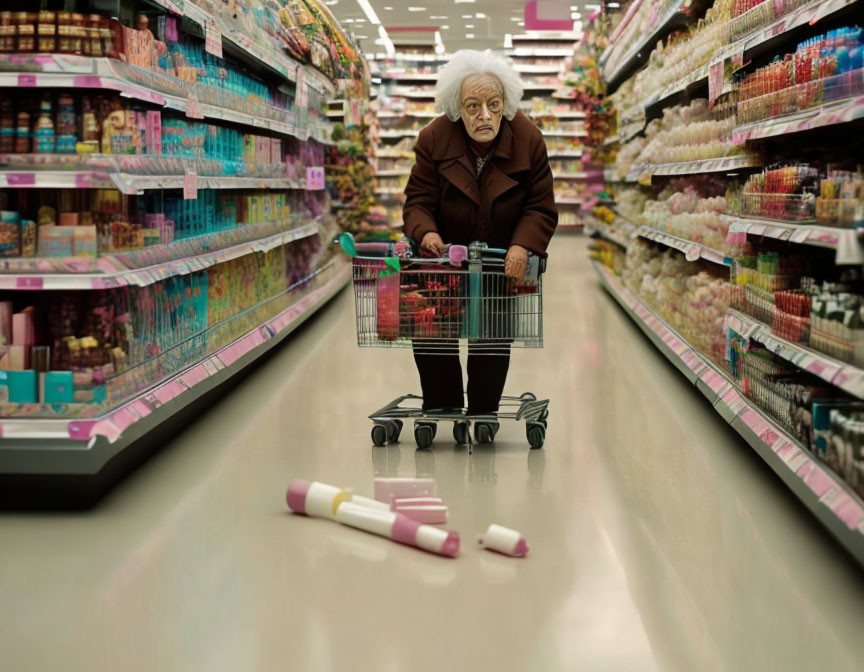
(513, 203)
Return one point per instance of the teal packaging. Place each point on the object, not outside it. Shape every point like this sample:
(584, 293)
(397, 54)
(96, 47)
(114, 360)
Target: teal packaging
(59, 387)
(23, 387)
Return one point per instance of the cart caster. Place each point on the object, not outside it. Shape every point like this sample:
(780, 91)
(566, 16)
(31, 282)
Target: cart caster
(424, 434)
(460, 433)
(394, 429)
(485, 431)
(536, 433)
(528, 396)
(379, 435)
(544, 419)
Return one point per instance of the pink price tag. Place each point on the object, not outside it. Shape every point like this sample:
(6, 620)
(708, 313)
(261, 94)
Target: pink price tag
(171, 34)
(80, 430)
(21, 179)
(28, 283)
(315, 178)
(88, 82)
(190, 186)
(83, 180)
(28, 81)
(212, 38)
(193, 107)
(715, 81)
(816, 367)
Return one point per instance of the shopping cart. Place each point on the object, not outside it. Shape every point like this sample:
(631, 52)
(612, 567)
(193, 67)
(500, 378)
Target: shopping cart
(403, 300)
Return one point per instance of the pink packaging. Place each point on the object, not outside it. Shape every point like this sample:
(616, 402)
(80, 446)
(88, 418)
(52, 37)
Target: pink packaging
(5, 322)
(387, 488)
(153, 136)
(275, 150)
(23, 329)
(18, 358)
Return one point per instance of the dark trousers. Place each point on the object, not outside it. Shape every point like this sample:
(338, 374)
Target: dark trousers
(441, 375)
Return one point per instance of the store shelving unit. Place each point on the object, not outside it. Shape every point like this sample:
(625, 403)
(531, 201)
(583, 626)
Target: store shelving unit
(83, 439)
(824, 493)
(833, 500)
(560, 119)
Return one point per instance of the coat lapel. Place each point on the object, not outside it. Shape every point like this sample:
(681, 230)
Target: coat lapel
(455, 164)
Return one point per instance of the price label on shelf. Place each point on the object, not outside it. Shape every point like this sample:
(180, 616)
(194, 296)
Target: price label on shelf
(190, 186)
(193, 107)
(212, 38)
(315, 178)
(715, 81)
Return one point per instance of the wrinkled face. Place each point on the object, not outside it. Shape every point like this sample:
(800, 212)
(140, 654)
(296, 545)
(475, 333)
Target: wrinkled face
(482, 106)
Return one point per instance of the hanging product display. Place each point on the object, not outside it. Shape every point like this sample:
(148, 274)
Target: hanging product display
(737, 241)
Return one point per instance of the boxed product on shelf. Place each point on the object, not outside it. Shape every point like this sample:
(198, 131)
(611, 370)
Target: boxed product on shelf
(838, 438)
(823, 69)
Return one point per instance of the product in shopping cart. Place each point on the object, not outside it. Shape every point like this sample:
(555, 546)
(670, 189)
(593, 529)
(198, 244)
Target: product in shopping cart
(504, 540)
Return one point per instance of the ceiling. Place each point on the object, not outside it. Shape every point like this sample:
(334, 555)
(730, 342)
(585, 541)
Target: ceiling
(456, 20)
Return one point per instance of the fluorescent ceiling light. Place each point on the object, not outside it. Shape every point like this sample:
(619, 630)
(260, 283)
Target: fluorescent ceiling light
(521, 24)
(368, 11)
(444, 27)
(416, 9)
(480, 15)
(469, 36)
(386, 41)
(586, 6)
(347, 20)
(388, 9)
(359, 20)
(439, 43)
(469, 25)
(467, 16)
(361, 37)
(515, 18)
(438, 17)
(463, 2)
(331, 2)
(508, 41)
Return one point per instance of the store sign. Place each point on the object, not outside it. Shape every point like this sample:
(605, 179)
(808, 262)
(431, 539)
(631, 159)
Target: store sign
(315, 178)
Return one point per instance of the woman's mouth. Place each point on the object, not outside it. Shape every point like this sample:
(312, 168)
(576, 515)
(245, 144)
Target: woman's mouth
(483, 129)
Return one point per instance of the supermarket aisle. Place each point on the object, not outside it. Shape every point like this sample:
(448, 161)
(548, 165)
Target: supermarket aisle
(658, 540)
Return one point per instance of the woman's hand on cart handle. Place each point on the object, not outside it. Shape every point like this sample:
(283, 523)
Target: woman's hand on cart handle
(432, 245)
(515, 262)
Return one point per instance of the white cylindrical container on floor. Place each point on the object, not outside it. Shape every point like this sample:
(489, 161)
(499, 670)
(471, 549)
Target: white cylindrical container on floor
(504, 540)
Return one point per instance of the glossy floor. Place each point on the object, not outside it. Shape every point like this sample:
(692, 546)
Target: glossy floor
(658, 540)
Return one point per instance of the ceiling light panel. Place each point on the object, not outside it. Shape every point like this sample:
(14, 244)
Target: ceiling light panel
(368, 11)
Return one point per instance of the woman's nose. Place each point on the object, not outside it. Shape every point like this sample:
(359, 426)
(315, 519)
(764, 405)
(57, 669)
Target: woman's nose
(485, 113)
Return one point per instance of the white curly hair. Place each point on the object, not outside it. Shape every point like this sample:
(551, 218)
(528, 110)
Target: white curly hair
(467, 62)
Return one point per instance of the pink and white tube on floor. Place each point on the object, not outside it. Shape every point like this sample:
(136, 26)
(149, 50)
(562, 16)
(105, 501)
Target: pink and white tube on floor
(504, 540)
(320, 500)
(399, 528)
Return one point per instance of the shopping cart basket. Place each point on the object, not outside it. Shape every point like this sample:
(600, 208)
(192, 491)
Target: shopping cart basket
(404, 300)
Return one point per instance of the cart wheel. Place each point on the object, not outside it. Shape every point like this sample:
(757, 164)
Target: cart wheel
(379, 435)
(536, 435)
(460, 433)
(528, 396)
(394, 429)
(424, 435)
(485, 432)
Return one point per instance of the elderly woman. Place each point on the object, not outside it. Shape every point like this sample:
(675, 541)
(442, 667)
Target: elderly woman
(481, 174)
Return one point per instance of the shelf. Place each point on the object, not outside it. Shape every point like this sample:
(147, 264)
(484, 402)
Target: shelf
(549, 114)
(390, 192)
(410, 76)
(574, 176)
(77, 72)
(529, 86)
(575, 154)
(527, 52)
(144, 275)
(827, 496)
(830, 114)
(401, 93)
(408, 133)
(721, 165)
(569, 201)
(565, 134)
(638, 54)
(847, 242)
(393, 173)
(84, 447)
(845, 376)
(599, 230)
(385, 154)
(402, 115)
(130, 184)
(692, 251)
(550, 69)
(243, 47)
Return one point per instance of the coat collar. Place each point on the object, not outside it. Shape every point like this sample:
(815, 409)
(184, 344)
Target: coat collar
(510, 156)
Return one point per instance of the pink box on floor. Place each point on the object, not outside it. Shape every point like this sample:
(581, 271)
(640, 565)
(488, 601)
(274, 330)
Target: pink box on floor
(400, 488)
(427, 510)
